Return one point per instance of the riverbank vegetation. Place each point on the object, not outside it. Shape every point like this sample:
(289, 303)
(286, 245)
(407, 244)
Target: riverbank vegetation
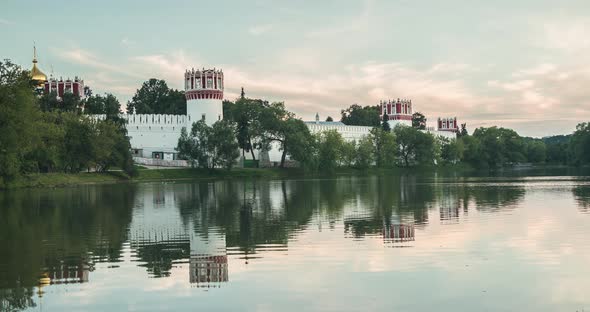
(41, 134)
(46, 135)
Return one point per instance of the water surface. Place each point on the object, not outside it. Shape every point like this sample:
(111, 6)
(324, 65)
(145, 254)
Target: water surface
(400, 243)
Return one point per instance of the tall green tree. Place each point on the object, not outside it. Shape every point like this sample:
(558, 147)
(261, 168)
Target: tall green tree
(365, 155)
(385, 123)
(223, 144)
(385, 147)
(18, 114)
(155, 97)
(357, 115)
(579, 145)
(330, 146)
(419, 121)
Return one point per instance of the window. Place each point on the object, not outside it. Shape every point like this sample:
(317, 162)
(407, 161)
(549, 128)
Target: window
(209, 82)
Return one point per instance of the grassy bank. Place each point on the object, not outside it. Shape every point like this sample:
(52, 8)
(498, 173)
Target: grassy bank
(65, 179)
(147, 175)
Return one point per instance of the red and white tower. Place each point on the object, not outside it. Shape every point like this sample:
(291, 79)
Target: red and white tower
(204, 95)
(398, 112)
(448, 124)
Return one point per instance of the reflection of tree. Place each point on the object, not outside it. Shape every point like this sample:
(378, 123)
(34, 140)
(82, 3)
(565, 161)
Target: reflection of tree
(492, 197)
(17, 298)
(49, 232)
(582, 196)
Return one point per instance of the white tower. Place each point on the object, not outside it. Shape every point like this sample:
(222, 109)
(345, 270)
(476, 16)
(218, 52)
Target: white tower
(204, 95)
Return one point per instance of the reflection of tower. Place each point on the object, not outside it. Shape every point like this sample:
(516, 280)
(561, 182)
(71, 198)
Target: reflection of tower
(398, 232)
(449, 206)
(204, 95)
(208, 259)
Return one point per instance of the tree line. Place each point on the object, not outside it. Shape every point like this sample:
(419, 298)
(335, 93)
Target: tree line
(47, 134)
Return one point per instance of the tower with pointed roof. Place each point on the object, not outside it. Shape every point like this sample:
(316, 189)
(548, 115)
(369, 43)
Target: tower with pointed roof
(37, 76)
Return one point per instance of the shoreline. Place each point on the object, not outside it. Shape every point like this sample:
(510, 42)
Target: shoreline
(56, 180)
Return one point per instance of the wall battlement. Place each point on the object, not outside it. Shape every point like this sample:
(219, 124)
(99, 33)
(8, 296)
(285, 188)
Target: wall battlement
(151, 119)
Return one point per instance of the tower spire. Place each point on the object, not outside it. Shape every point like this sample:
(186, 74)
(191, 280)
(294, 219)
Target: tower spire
(34, 52)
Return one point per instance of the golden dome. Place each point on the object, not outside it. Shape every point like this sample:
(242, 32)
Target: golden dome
(36, 74)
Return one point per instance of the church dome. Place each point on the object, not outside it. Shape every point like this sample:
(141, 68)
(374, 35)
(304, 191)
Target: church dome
(36, 74)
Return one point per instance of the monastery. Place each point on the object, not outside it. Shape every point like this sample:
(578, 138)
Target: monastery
(154, 137)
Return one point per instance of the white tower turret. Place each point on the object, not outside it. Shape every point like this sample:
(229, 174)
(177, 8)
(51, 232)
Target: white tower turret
(204, 95)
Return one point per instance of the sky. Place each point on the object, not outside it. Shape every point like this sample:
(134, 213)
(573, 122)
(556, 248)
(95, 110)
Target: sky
(521, 64)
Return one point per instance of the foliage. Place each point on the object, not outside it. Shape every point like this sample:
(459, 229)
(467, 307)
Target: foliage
(419, 121)
(47, 134)
(330, 147)
(364, 153)
(357, 115)
(329, 119)
(154, 97)
(579, 145)
(209, 147)
(451, 150)
(385, 123)
(385, 147)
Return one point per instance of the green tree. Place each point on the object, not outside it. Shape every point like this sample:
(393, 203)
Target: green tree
(536, 151)
(330, 150)
(463, 131)
(154, 97)
(385, 147)
(579, 145)
(348, 153)
(224, 144)
(419, 121)
(365, 153)
(385, 123)
(329, 119)
(357, 115)
(451, 150)
(18, 113)
(407, 138)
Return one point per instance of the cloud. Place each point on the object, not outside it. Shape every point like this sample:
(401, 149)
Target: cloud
(260, 29)
(83, 57)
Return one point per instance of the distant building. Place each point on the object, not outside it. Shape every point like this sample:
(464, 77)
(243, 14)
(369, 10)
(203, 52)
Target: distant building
(448, 124)
(60, 87)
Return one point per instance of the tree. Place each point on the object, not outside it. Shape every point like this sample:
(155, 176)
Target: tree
(68, 103)
(364, 153)
(407, 140)
(201, 147)
(536, 151)
(579, 145)
(330, 150)
(419, 121)
(463, 131)
(223, 144)
(348, 153)
(385, 147)
(18, 113)
(154, 97)
(329, 119)
(451, 150)
(385, 123)
(357, 115)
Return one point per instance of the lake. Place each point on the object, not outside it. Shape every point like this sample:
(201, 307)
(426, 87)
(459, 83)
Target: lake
(351, 243)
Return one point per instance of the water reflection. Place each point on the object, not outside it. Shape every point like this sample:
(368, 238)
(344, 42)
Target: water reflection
(53, 237)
